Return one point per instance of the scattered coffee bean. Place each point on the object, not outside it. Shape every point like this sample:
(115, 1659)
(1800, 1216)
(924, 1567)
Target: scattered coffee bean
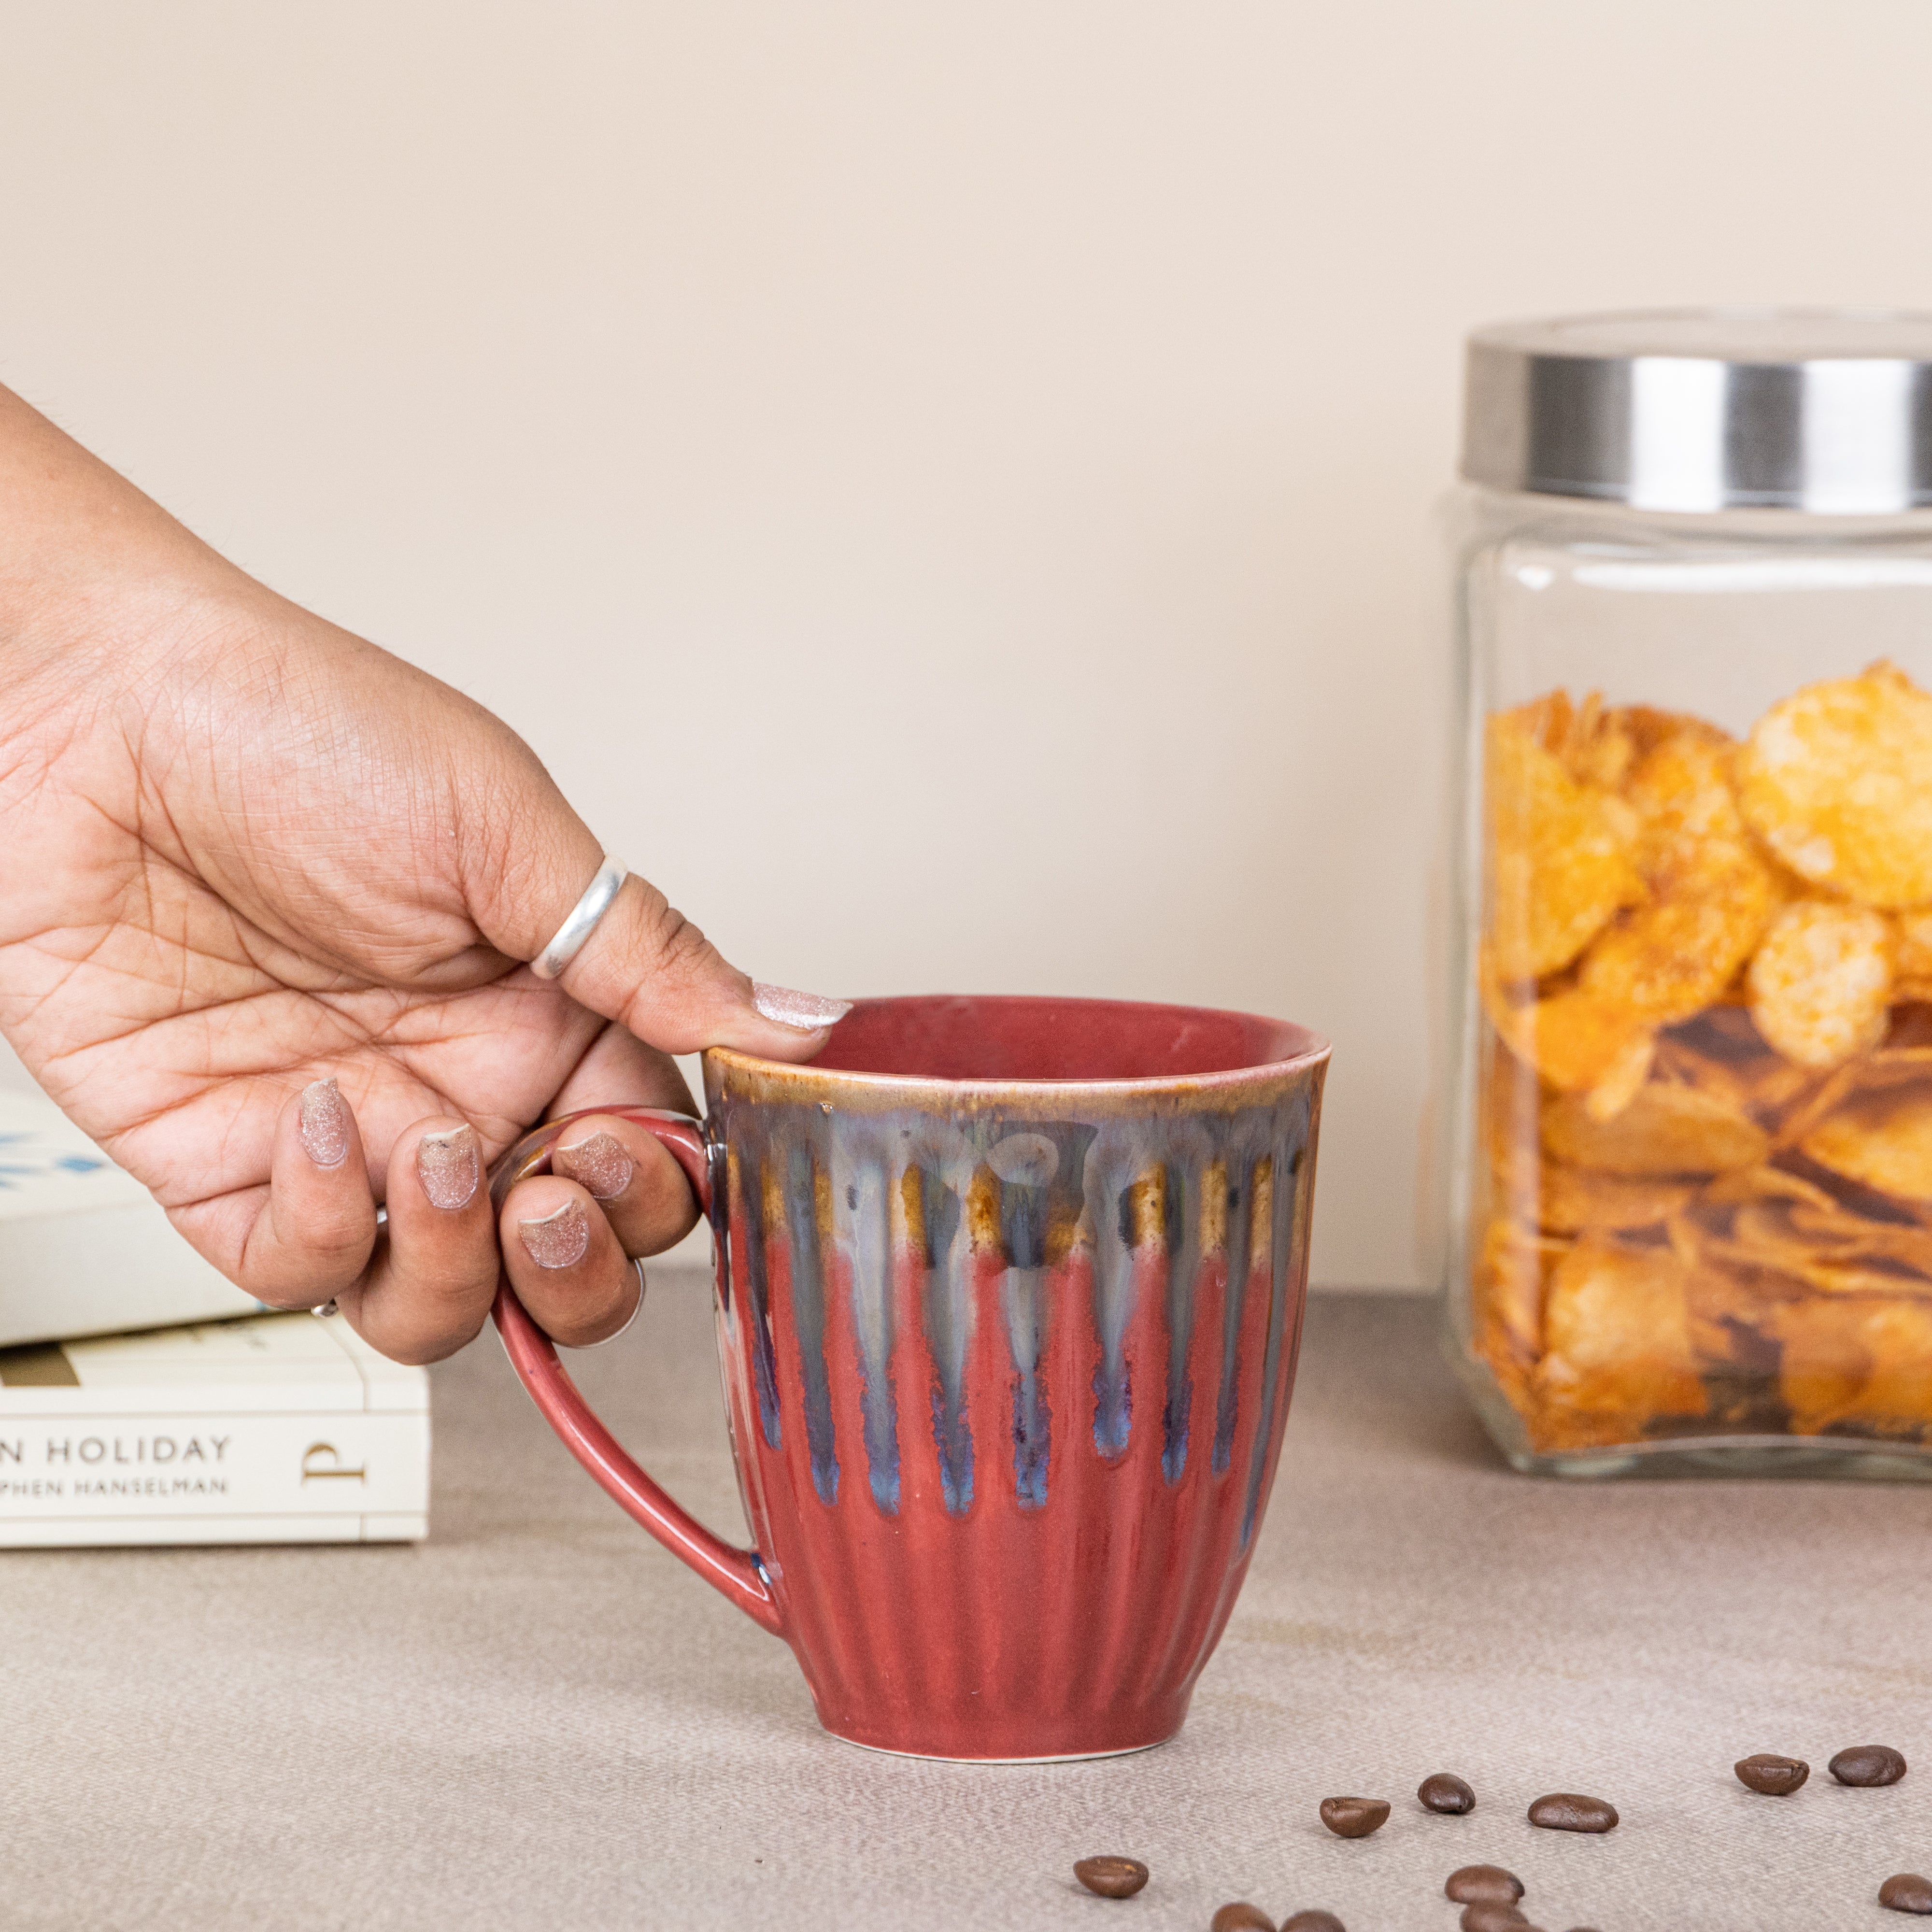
(1868, 1764)
(1312, 1922)
(1353, 1817)
(1491, 1915)
(1242, 1917)
(1776, 1776)
(1112, 1878)
(1443, 1792)
(1483, 1885)
(1569, 1811)
(1906, 1892)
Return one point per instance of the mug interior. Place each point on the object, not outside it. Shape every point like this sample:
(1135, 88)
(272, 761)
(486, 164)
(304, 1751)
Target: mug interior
(973, 1037)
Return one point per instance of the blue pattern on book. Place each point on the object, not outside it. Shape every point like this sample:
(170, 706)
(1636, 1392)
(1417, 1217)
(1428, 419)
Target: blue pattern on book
(22, 1160)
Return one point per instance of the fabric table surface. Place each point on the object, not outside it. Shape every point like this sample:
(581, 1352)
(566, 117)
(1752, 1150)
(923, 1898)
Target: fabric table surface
(539, 1718)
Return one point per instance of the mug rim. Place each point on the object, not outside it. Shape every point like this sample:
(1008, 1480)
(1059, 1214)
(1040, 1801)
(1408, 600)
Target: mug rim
(1315, 1053)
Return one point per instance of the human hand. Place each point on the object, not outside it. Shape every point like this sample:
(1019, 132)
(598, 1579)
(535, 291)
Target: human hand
(264, 889)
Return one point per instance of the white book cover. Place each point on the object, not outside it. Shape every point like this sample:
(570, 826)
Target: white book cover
(85, 1250)
(273, 1429)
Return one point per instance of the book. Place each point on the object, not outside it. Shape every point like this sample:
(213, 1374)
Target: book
(84, 1248)
(270, 1429)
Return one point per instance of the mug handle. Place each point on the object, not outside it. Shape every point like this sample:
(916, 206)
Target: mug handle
(736, 1573)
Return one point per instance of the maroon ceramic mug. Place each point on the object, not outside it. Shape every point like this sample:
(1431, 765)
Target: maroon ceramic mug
(1008, 1298)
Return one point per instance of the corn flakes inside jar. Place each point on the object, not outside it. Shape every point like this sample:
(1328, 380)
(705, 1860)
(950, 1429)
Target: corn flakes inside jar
(1692, 1221)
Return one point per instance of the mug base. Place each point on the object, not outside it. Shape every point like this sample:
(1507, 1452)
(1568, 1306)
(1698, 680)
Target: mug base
(967, 1757)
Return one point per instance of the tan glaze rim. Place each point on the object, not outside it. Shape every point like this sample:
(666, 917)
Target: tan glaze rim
(779, 1080)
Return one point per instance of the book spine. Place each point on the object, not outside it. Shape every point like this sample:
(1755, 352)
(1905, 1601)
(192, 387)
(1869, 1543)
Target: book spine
(205, 1476)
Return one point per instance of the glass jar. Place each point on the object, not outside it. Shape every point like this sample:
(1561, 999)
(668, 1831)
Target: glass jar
(1691, 1158)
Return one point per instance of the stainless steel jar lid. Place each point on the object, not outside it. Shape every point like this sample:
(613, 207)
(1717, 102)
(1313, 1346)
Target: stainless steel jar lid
(1829, 411)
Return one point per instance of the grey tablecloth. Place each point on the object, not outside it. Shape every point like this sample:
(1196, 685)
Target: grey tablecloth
(538, 1719)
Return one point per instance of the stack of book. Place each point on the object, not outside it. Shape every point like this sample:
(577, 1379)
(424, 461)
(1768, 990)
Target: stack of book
(144, 1399)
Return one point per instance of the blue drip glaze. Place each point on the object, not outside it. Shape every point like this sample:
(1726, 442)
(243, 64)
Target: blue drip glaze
(1033, 1416)
(1177, 1415)
(1033, 1442)
(871, 1275)
(1023, 1222)
(1288, 1159)
(764, 1365)
(1113, 1382)
(808, 1301)
(1113, 1410)
(882, 1459)
(953, 1438)
(945, 1316)
(1241, 1199)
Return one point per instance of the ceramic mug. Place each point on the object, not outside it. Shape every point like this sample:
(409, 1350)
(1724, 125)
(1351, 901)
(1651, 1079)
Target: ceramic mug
(1008, 1297)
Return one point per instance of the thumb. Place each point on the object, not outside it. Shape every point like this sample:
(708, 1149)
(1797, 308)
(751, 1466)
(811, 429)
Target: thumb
(644, 964)
(647, 967)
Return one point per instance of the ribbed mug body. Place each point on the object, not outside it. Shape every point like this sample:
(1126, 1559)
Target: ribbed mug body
(1006, 1366)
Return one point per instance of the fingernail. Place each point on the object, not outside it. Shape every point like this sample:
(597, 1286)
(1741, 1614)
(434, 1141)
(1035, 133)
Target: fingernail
(325, 1123)
(598, 1163)
(559, 1241)
(448, 1167)
(807, 1012)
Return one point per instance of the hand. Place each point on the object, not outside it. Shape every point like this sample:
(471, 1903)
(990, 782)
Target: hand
(263, 892)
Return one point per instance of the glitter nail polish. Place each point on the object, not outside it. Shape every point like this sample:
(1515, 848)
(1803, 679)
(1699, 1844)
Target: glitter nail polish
(324, 1125)
(448, 1165)
(598, 1163)
(807, 1012)
(558, 1240)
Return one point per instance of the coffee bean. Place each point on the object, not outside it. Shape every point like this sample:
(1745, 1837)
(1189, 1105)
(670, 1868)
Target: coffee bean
(1569, 1811)
(1313, 1921)
(1776, 1776)
(1112, 1878)
(1443, 1792)
(1483, 1885)
(1491, 1915)
(1353, 1817)
(1241, 1917)
(1906, 1892)
(1868, 1764)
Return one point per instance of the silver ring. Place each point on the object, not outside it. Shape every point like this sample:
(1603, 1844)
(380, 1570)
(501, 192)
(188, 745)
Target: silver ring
(596, 902)
(630, 1321)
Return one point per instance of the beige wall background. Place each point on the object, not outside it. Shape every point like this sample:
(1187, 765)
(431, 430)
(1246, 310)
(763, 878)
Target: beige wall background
(948, 490)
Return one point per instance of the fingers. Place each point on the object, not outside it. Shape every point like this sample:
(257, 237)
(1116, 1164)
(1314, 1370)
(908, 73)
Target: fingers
(646, 965)
(626, 1171)
(312, 1240)
(640, 1188)
(564, 1261)
(424, 1288)
(527, 858)
(434, 1275)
